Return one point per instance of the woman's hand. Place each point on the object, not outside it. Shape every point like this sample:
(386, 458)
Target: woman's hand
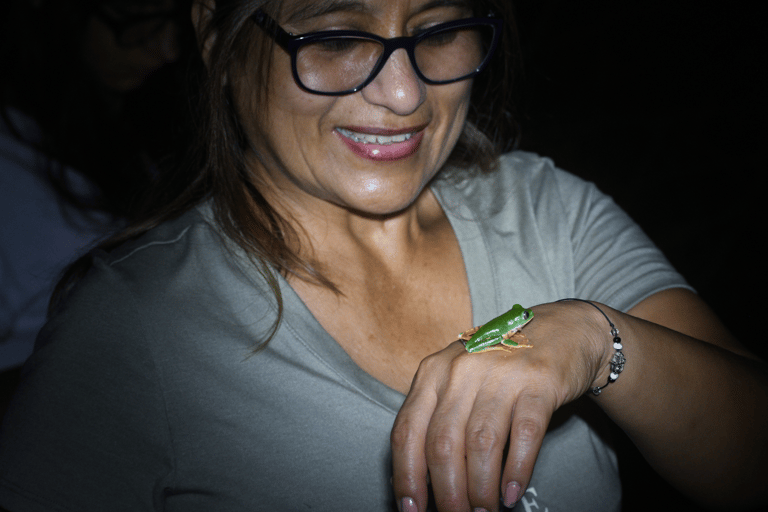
(463, 408)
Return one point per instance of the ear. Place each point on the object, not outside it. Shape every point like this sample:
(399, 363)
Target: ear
(202, 12)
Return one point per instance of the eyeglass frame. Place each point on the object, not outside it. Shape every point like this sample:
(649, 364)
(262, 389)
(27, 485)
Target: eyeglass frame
(120, 26)
(291, 44)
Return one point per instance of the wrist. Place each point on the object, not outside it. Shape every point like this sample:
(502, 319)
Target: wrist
(607, 345)
(615, 364)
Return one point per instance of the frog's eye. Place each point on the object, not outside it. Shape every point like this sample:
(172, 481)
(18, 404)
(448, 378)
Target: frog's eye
(526, 314)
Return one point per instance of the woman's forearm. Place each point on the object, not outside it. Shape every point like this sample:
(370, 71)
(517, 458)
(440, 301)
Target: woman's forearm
(698, 412)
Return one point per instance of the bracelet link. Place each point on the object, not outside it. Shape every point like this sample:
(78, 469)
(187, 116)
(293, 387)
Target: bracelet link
(618, 360)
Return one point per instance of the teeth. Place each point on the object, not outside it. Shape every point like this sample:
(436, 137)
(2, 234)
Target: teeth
(383, 140)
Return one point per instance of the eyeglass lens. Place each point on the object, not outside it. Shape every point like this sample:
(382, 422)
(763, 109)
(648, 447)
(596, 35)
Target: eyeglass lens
(344, 63)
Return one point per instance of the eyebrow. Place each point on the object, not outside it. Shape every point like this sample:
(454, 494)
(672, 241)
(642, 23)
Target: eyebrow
(323, 7)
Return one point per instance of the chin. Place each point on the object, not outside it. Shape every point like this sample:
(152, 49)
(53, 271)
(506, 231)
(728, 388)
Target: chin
(383, 205)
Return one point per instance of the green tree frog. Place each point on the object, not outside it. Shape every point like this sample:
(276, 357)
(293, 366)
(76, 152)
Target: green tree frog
(500, 330)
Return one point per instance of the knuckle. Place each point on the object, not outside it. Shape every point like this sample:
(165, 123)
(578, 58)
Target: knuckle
(425, 364)
(436, 359)
(441, 448)
(429, 366)
(528, 431)
(403, 435)
(483, 439)
(459, 365)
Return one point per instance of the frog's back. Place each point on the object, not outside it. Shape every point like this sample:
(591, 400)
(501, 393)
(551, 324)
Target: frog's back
(492, 329)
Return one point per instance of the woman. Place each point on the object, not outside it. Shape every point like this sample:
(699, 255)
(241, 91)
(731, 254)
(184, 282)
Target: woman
(359, 205)
(88, 105)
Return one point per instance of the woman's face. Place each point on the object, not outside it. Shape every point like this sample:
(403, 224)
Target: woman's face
(314, 151)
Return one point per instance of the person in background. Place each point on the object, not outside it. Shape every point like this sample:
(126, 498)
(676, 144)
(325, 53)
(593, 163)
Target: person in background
(90, 103)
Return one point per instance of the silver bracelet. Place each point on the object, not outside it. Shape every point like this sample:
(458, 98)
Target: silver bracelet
(618, 359)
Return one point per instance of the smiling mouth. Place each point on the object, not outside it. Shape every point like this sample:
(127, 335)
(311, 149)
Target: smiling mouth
(382, 140)
(382, 144)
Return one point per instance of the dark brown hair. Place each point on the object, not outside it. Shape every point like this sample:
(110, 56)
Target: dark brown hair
(215, 169)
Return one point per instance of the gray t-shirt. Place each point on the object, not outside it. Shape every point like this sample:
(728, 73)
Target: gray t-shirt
(145, 394)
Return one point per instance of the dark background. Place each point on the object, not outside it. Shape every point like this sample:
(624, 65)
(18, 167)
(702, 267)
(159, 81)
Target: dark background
(662, 104)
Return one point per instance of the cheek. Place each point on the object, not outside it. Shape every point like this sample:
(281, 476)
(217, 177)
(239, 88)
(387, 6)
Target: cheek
(453, 106)
(288, 111)
(291, 107)
(459, 112)
(294, 127)
(460, 101)
(286, 97)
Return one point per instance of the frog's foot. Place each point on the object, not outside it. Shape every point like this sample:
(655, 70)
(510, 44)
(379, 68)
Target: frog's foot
(466, 335)
(516, 340)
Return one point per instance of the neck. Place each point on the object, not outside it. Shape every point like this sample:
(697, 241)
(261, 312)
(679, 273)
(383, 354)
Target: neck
(337, 237)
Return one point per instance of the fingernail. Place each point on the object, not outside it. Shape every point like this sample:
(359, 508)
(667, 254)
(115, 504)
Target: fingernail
(408, 505)
(479, 509)
(511, 494)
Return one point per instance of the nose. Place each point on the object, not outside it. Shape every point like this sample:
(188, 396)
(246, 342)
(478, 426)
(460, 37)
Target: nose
(396, 87)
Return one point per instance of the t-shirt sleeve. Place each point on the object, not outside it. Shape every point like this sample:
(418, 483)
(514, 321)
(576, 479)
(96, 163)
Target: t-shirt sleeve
(87, 429)
(614, 261)
(532, 233)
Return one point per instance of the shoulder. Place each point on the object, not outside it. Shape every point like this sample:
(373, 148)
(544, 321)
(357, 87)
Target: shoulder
(512, 170)
(178, 252)
(572, 237)
(183, 275)
(143, 315)
(522, 184)
(540, 178)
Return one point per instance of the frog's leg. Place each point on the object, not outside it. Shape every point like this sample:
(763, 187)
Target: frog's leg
(509, 342)
(516, 339)
(466, 335)
(503, 346)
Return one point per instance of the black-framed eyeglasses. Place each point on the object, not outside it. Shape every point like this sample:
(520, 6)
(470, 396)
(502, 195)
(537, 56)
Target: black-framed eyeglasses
(339, 62)
(133, 30)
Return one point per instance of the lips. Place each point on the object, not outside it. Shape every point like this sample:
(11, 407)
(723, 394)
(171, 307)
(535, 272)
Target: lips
(382, 144)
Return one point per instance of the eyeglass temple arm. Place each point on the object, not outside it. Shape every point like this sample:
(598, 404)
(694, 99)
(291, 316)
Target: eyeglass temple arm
(270, 26)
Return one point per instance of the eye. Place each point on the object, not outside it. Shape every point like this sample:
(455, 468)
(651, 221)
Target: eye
(526, 314)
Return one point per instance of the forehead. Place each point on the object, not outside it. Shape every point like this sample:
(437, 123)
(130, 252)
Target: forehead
(298, 10)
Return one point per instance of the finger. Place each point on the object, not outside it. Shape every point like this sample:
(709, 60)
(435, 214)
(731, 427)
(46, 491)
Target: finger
(446, 436)
(488, 429)
(445, 451)
(409, 462)
(530, 419)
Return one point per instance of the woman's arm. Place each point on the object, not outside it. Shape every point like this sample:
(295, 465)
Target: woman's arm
(698, 410)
